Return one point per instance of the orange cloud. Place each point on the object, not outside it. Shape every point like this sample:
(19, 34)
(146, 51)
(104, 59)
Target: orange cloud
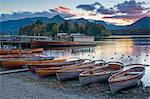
(118, 21)
(66, 10)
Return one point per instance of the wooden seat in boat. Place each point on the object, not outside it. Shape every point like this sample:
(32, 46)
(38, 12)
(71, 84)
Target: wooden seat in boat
(133, 73)
(122, 78)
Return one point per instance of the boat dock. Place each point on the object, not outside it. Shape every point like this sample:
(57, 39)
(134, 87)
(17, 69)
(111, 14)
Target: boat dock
(26, 41)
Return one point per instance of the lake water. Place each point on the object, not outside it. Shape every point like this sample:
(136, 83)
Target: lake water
(126, 51)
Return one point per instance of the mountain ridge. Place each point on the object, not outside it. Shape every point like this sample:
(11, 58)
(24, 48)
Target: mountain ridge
(13, 26)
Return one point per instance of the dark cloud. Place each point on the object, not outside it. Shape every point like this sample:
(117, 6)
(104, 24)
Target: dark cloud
(86, 7)
(96, 4)
(101, 9)
(130, 7)
(104, 10)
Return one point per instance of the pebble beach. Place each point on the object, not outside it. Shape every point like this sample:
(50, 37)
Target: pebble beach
(27, 85)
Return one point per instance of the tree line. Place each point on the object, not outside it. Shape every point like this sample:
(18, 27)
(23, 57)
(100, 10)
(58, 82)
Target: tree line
(39, 29)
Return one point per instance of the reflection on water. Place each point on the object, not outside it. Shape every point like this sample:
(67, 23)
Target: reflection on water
(124, 50)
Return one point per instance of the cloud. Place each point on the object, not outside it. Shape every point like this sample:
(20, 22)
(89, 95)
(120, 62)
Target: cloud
(133, 17)
(64, 8)
(22, 15)
(86, 7)
(130, 10)
(98, 7)
(92, 14)
(131, 7)
(63, 11)
(104, 10)
(60, 10)
(96, 4)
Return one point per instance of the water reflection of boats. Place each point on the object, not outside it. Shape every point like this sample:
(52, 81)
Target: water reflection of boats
(74, 50)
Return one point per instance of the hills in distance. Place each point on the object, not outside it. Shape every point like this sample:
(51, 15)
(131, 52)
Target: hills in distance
(140, 27)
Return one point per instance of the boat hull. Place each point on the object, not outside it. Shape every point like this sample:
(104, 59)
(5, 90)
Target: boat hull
(36, 44)
(73, 72)
(13, 64)
(33, 66)
(61, 76)
(126, 78)
(19, 51)
(84, 80)
(36, 50)
(45, 73)
(20, 63)
(117, 86)
(99, 74)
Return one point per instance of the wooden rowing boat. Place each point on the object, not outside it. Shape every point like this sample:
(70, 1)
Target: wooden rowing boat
(73, 72)
(115, 64)
(51, 43)
(40, 43)
(32, 67)
(19, 51)
(28, 58)
(52, 70)
(10, 64)
(5, 51)
(99, 74)
(126, 78)
(36, 50)
(23, 56)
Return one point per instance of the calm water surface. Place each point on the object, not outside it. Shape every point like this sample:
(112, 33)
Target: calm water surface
(126, 51)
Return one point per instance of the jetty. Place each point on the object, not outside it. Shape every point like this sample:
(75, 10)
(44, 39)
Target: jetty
(60, 40)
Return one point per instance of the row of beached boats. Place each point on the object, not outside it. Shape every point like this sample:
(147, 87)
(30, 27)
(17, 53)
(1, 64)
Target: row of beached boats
(10, 52)
(87, 71)
(93, 71)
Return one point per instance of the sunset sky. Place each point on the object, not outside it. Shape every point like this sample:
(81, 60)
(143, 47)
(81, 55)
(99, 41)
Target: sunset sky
(119, 12)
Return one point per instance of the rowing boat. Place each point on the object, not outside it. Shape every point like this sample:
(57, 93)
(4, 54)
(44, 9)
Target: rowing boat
(32, 67)
(52, 70)
(36, 50)
(99, 74)
(73, 72)
(24, 56)
(5, 51)
(19, 51)
(10, 64)
(126, 78)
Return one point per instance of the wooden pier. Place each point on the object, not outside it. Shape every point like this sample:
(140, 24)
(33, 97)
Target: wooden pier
(31, 41)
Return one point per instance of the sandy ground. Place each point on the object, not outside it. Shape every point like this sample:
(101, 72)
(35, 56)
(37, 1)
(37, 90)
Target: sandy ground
(29, 86)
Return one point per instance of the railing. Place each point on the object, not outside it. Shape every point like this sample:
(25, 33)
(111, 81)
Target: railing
(23, 38)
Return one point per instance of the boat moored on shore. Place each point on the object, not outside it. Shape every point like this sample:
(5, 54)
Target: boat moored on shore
(100, 74)
(69, 73)
(126, 78)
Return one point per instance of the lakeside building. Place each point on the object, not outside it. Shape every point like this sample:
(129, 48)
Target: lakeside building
(76, 37)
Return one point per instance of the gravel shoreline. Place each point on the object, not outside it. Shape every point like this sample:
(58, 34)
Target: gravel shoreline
(26, 85)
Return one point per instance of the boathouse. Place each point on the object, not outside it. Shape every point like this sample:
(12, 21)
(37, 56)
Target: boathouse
(78, 37)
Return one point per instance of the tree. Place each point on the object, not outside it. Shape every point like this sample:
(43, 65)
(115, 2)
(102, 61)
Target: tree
(66, 26)
(77, 28)
(38, 22)
(55, 29)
